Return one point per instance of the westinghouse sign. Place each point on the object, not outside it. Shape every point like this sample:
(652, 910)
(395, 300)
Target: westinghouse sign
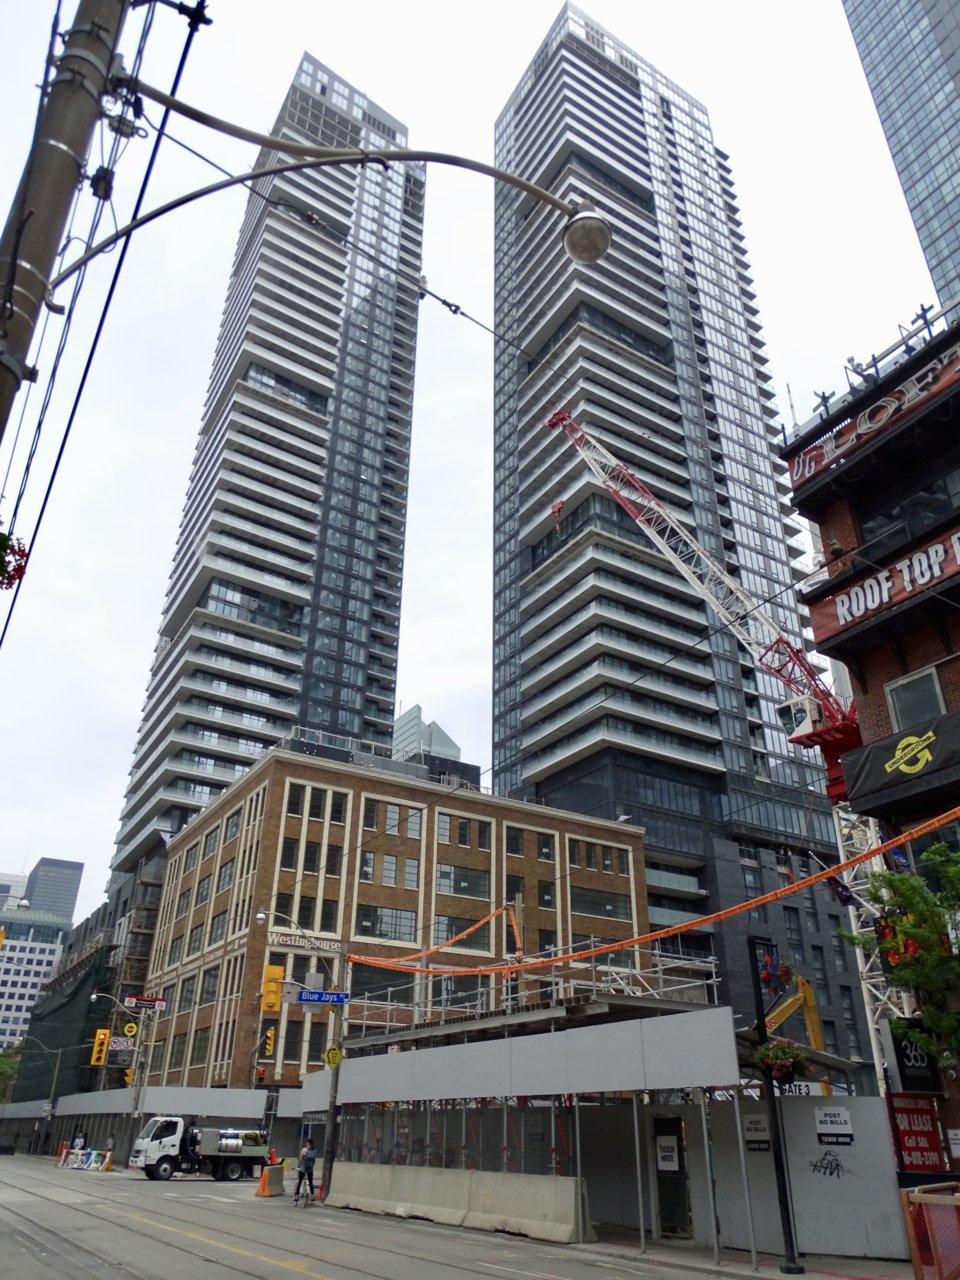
(896, 407)
(911, 576)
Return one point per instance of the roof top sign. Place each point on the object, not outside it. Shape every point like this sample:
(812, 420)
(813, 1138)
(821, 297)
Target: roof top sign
(897, 406)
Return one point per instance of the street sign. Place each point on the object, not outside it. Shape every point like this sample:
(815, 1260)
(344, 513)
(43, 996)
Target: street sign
(323, 997)
(145, 1002)
(121, 1042)
(333, 1057)
(129, 1028)
(119, 1057)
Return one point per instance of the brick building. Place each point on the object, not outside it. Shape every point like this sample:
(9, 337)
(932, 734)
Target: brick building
(377, 856)
(879, 475)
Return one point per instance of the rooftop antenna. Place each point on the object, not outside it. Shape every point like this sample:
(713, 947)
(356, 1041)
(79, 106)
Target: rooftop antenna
(793, 412)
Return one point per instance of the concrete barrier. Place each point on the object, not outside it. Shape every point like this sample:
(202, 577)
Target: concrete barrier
(542, 1207)
(271, 1180)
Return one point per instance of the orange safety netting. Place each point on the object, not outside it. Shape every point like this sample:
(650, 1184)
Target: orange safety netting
(507, 967)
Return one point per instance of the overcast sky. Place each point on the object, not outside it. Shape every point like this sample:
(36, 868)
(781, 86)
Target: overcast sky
(835, 258)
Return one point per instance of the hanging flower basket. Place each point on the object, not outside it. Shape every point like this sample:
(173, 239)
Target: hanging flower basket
(13, 561)
(784, 1059)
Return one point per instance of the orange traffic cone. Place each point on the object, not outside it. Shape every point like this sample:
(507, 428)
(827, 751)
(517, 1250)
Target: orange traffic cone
(273, 1155)
(262, 1188)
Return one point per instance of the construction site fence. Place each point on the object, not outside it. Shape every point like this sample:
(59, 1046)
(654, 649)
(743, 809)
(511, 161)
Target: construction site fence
(932, 1216)
(516, 1136)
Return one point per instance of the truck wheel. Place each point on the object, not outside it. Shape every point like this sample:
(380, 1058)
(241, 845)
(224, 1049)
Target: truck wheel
(232, 1170)
(151, 1174)
(217, 1171)
(163, 1170)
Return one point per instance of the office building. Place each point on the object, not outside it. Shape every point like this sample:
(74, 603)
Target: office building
(413, 736)
(53, 885)
(375, 855)
(283, 605)
(910, 51)
(30, 946)
(616, 692)
(13, 887)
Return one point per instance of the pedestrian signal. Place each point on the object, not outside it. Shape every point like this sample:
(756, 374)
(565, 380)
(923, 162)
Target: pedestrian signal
(269, 1042)
(101, 1041)
(128, 1075)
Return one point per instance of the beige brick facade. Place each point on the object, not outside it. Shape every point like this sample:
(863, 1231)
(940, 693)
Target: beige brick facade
(386, 864)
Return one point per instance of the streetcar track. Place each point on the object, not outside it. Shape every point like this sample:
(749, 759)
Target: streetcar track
(120, 1213)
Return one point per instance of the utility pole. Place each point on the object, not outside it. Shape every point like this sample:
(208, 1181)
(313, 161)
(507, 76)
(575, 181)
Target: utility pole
(790, 1265)
(53, 172)
(341, 983)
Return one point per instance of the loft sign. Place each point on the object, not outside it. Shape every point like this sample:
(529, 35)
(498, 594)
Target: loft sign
(929, 383)
(914, 574)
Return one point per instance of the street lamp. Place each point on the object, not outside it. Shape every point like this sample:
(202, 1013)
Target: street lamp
(339, 979)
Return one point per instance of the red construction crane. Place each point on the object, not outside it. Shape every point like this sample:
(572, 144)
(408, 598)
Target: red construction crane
(814, 716)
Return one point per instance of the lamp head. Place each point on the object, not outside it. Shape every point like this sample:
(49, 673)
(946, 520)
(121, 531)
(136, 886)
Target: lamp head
(261, 916)
(23, 904)
(587, 235)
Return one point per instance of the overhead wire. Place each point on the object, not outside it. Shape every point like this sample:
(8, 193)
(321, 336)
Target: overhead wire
(111, 290)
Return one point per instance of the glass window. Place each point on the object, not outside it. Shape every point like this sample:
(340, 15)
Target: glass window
(606, 858)
(514, 840)
(311, 858)
(210, 842)
(282, 908)
(463, 880)
(195, 940)
(573, 853)
(178, 1051)
(366, 865)
(232, 828)
(623, 862)
(483, 835)
(370, 814)
(443, 828)
(203, 891)
(592, 902)
(546, 846)
(389, 869)
(393, 820)
(183, 903)
(463, 832)
(318, 802)
(334, 858)
(791, 922)
(306, 912)
(191, 858)
(411, 873)
(386, 922)
(514, 887)
(188, 993)
(176, 950)
(208, 985)
(546, 894)
(225, 875)
(753, 888)
(915, 698)
(447, 927)
(288, 853)
(328, 915)
(338, 807)
(218, 928)
(317, 1042)
(413, 823)
(590, 857)
(201, 1047)
(295, 798)
(293, 1041)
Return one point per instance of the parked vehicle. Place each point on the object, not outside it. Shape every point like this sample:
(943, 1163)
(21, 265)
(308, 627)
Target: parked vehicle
(171, 1144)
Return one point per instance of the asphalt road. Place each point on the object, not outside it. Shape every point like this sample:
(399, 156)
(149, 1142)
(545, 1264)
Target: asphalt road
(57, 1223)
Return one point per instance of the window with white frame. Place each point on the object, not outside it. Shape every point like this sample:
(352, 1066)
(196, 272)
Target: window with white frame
(914, 698)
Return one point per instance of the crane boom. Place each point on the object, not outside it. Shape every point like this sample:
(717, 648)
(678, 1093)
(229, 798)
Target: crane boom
(822, 720)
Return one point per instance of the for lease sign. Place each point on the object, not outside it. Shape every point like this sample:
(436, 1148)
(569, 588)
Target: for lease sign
(918, 1133)
(911, 576)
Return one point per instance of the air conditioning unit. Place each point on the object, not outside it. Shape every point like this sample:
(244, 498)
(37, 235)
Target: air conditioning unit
(800, 716)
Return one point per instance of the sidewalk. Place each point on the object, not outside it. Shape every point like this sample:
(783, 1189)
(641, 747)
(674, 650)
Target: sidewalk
(625, 1245)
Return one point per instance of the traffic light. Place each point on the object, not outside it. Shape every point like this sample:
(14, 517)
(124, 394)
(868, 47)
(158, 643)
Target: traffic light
(129, 1075)
(271, 998)
(269, 1042)
(101, 1040)
(3, 934)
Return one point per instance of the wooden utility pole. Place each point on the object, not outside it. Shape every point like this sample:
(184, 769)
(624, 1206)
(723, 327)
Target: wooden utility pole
(52, 174)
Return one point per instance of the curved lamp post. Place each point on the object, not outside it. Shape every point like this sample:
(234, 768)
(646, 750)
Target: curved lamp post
(139, 1060)
(339, 977)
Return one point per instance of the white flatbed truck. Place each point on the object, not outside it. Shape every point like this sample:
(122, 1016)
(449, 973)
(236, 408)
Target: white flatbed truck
(225, 1154)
